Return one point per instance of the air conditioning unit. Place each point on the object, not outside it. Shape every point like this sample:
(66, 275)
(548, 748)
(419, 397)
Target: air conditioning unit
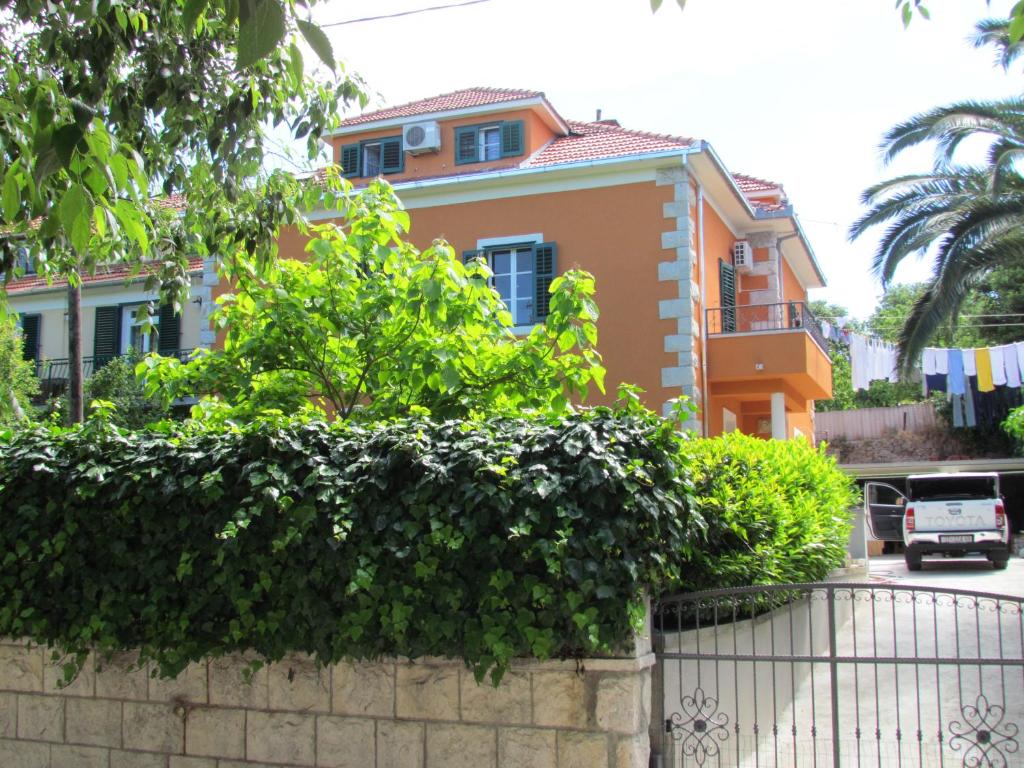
(422, 137)
(742, 255)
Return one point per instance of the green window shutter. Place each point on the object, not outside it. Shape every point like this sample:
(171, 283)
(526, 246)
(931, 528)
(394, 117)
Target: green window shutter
(465, 146)
(468, 256)
(391, 155)
(545, 265)
(512, 138)
(168, 331)
(350, 160)
(727, 295)
(31, 326)
(106, 337)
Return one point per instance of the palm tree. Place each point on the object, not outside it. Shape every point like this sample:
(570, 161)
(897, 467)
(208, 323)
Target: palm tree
(973, 217)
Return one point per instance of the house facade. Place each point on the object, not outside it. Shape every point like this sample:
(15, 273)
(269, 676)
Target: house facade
(702, 275)
(111, 300)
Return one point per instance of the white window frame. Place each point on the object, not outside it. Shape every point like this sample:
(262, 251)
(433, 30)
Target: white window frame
(489, 244)
(129, 321)
(365, 159)
(482, 134)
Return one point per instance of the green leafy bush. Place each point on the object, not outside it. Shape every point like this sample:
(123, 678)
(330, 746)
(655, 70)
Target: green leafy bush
(774, 512)
(483, 541)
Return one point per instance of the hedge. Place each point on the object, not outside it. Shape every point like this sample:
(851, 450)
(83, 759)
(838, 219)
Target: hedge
(480, 541)
(484, 541)
(775, 512)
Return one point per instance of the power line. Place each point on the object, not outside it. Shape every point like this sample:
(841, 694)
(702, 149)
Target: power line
(404, 13)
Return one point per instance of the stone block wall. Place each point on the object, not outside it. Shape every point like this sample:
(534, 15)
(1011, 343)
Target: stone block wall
(392, 714)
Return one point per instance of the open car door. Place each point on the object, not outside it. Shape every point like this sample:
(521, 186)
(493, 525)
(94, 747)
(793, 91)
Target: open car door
(884, 506)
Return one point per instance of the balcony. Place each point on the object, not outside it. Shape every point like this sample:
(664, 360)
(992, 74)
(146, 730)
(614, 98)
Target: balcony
(54, 373)
(758, 349)
(766, 318)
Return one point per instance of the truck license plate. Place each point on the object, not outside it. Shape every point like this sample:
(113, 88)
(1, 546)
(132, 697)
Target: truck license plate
(964, 539)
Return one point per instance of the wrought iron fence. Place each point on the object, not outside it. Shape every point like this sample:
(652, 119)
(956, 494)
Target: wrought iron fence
(765, 318)
(840, 675)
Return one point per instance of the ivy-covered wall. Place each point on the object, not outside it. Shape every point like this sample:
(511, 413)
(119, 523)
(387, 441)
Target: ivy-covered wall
(479, 541)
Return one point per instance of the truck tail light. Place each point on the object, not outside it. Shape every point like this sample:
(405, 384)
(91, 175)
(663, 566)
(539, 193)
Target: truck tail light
(909, 517)
(1000, 514)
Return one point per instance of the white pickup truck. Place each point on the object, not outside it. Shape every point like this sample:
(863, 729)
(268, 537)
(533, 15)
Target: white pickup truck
(953, 514)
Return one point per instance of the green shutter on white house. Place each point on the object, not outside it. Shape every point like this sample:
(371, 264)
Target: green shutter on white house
(391, 155)
(512, 138)
(106, 336)
(545, 265)
(465, 145)
(727, 295)
(350, 160)
(168, 331)
(31, 326)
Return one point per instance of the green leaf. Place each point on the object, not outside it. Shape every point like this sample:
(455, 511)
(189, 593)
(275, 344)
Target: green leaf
(295, 64)
(261, 28)
(11, 194)
(193, 9)
(65, 139)
(318, 41)
(1017, 28)
(75, 204)
(131, 222)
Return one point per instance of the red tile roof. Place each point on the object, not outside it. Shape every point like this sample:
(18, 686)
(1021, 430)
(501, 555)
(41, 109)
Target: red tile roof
(112, 274)
(467, 97)
(749, 184)
(596, 141)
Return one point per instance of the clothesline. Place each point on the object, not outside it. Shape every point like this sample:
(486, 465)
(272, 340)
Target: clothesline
(998, 366)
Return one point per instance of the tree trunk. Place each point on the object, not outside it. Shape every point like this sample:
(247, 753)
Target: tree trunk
(76, 408)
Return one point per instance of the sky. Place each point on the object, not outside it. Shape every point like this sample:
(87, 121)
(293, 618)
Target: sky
(796, 91)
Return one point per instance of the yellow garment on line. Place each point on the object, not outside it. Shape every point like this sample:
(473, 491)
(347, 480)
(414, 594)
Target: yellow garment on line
(984, 364)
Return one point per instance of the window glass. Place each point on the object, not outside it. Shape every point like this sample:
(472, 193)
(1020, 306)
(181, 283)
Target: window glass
(490, 143)
(133, 336)
(371, 160)
(513, 280)
(501, 262)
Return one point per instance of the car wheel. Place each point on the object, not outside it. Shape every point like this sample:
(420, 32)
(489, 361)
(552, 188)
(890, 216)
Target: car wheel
(1000, 563)
(913, 561)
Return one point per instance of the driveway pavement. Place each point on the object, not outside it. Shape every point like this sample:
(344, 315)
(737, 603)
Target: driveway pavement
(951, 573)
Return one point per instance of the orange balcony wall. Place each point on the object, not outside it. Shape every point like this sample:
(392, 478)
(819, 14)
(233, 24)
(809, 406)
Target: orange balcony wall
(755, 363)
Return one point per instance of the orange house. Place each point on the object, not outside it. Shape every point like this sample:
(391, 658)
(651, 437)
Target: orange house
(702, 274)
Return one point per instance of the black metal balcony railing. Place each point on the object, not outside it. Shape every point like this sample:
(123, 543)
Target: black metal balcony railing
(765, 318)
(54, 373)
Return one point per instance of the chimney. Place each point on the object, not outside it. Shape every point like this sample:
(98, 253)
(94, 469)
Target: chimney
(598, 118)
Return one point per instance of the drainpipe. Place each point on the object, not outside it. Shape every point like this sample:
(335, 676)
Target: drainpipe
(702, 318)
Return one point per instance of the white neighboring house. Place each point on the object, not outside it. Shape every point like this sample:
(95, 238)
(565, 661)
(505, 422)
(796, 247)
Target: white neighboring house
(110, 301)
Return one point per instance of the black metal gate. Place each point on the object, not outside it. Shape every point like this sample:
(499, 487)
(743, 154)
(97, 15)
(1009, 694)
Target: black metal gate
(839, 675)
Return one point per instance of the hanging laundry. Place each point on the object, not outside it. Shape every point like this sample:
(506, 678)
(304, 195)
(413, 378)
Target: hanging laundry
(984, 367)
(930, 361)
(957, 402)
(871, 360)
(935, 382)
(995, 356)
(957, 380)
(1012, 365)
(970, 420)
(970, 369)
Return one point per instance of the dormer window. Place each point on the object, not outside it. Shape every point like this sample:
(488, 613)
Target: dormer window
(489, 141)
(376, 157)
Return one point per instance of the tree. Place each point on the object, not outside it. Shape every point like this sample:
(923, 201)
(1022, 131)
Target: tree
(18, 382)
(369, 327)
(106, 106)
(972, 217)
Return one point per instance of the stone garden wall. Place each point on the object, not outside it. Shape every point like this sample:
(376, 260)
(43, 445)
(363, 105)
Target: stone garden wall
(427, 714)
